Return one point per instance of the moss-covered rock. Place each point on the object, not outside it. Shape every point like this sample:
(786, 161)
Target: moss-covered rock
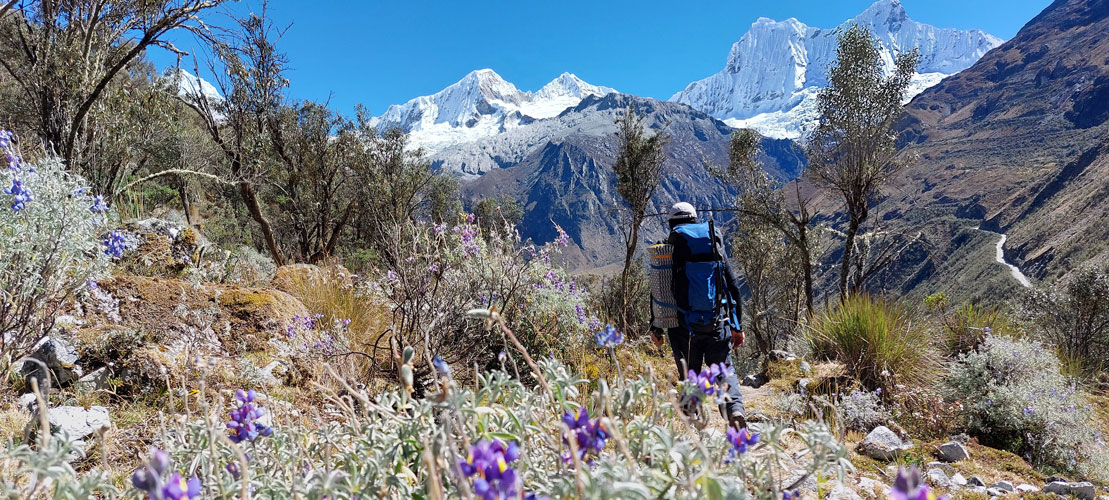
(205, 319)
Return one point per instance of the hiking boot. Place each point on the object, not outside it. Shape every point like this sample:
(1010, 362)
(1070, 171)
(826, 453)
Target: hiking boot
(737, 420)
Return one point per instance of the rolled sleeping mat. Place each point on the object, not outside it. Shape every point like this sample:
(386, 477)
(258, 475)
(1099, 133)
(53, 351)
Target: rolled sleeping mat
(662, 295)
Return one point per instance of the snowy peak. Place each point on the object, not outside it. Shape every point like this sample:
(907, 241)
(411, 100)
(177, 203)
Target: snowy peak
(479, 105)
(773, 73)
(888, 13)
(569, 85)
(190, 86)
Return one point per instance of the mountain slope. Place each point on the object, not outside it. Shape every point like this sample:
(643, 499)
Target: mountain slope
(1017, 143)
(560, 171)
(480, 105)
(774, 71)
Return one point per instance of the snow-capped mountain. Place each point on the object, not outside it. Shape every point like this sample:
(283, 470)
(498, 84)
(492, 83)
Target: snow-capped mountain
(480, 105)
(775, 70)
(191, 86)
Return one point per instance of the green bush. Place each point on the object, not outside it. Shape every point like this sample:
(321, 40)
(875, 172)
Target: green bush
(880, 343)
(1014, 396)
(967, 327)
(51, 246)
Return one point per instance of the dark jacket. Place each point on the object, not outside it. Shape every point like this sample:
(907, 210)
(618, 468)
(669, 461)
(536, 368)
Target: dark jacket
(682, 254)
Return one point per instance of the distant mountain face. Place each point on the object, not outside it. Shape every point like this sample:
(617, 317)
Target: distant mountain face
(480, 105)
(560, 171)
(773, 73)
(1017, 143)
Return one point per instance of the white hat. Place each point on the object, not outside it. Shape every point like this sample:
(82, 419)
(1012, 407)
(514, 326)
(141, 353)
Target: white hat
(682, 210)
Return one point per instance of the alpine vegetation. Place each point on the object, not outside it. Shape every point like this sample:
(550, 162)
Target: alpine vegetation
(54, 245)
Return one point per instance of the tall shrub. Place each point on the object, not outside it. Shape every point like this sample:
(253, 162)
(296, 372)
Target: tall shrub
(52, 243)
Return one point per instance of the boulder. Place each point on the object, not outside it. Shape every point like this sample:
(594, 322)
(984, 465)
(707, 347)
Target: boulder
(953, 452)
(1027, 488)
(60, 358)
(74, 424)
(883, 444)
(28, 403)
(95, 380)
(1004, 485)
(975, 481)
(754, 381)
(996, 492)
(1083, 490)
(959, 480)
(946, 467)
(938, 479)
(207, 319)
(157, 247)
(841, 492)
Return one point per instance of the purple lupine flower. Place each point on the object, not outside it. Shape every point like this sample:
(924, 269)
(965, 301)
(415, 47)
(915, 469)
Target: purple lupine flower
(589, 434)
(441, 366)
(563, 238)
(609, 337)
(243, 419)
(488, 463)
(98, 205)
(114, 245)
(438, 228)
(910, 486)
(791, 495)
(699, 385)
(581, 314)
(21, 194)
(740, 440)
(151, 479)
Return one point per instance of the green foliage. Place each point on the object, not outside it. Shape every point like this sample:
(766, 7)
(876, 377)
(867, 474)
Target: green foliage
(967, 327)
(638, 170)
(49, 250)
(394, 446)
(852, 151)
(452, 268)
(1074, 316)
(879, 341)
(1014, 395)
(495, 212)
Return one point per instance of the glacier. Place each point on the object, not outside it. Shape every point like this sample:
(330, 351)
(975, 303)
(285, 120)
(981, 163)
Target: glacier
(480, 105)
(773, 73)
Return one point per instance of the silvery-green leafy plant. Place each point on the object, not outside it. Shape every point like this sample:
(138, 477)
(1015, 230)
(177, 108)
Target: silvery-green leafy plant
(53, 243)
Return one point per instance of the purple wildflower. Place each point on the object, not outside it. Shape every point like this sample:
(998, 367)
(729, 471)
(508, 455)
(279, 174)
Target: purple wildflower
(152, 480)
(21, 195)
(609, 337)
(910, 486)
(740, 440)
(589, 435)
(243, 423)
(114, 245)
(488, 463)
(441, 366)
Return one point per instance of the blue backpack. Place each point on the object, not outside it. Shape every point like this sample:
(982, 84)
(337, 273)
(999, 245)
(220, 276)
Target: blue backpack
(710, 302)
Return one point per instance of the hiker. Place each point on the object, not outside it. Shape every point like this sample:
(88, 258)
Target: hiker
(706, 304)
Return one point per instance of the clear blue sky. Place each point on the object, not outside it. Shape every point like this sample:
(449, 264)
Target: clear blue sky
(386, 52)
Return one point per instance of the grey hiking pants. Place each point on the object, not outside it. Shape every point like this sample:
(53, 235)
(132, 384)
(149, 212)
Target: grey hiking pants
(692, 352)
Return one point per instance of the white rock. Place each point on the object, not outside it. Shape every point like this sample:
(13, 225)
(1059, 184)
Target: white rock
(959, 480)
(1027, 488)
(94, 380)
(1004, 485)
(938, 478)
(883, 444)
(1084, 490)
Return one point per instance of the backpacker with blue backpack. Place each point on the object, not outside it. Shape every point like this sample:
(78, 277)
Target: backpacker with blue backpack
(706, 303)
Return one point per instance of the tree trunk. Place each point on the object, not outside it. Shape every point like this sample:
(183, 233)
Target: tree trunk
(845, 266)
(250, 198)
(632, 243)
(806, 265)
